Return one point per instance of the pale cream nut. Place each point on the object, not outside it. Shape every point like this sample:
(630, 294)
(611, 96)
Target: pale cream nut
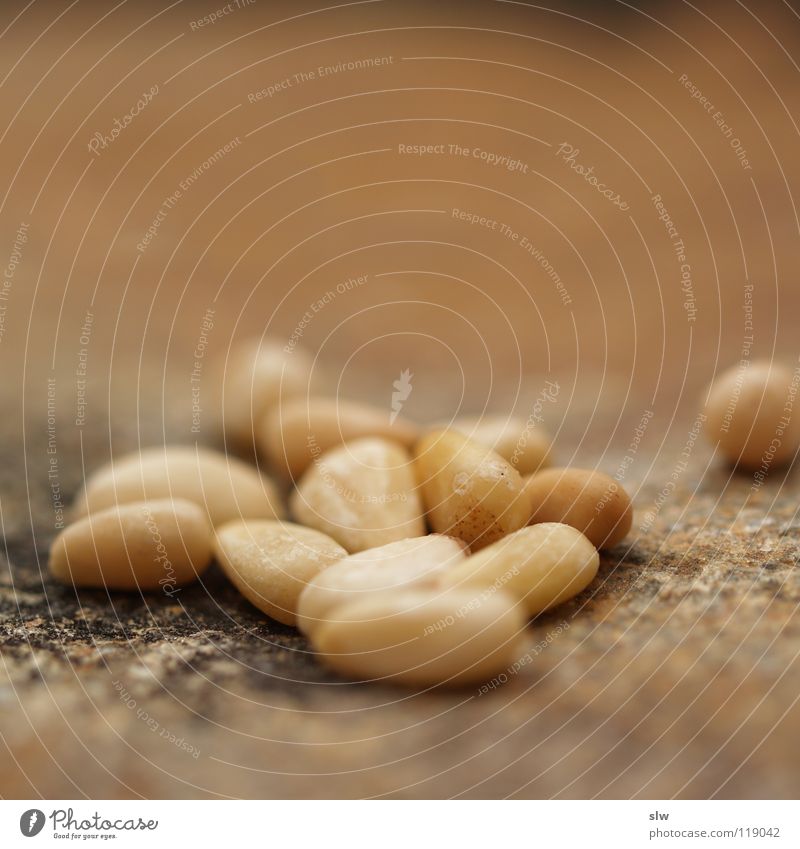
(361, 494)
(272, 562)
(226, 488)
(753, 414)
(527, 448)
(424, 637)
(590, 501)
(407, 563)
(252, 379)
(468, 490)
(300, 429)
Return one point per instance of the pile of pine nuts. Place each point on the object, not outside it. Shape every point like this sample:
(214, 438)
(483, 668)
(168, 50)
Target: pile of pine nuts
(414, 555)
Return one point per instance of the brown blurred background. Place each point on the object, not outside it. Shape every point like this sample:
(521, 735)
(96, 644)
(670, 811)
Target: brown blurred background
(272, 160)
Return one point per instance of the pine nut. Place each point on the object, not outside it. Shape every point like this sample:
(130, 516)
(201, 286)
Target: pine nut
(423, 637)
(590, 501)
(542, 565)
(469, 491)
(253, 379)
(362, 494)
(298, 430)
(224, 487)
(751, 415)
(407, 563)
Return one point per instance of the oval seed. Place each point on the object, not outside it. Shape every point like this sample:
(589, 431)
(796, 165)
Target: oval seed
(543, 565)
(468, 490)
(407, 563)
(362, 494)
(751, 414)
(254, 377)
(224, 487)
(526, 448)
(271, 563)
(590, 501)
(421, 637)
(299, 430)
(143, 545)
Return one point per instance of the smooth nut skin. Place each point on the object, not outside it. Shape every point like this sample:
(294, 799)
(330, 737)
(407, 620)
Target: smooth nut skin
(745, 414)
(271, 563)
(542, 565)
(424, 637)
(468, 490)
(361, 494)
(298, 430)
(409, 563)
(526, 448)
(224, 487)
(143, 545)
(590, 501)
(252, 379)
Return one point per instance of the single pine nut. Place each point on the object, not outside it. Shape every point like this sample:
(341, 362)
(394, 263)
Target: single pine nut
(542, 565)
(298, 430)
(271, 563)
(423, 637)
(362, 494)
(590, 501)
(407, 563)
(142, 545)
(525, 447)
(468, 490)
(224, 487)
(751, 414)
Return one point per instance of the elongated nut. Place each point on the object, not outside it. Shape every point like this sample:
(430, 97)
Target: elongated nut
(590, 501)
(408, 563)
(297, 431)
(271, 563)
(362, 494)
(224, 487)
(423, 637)
(527, 448)
(543, 565)
(252, 379)
(143, 545)
(752, 414)
(468, 490)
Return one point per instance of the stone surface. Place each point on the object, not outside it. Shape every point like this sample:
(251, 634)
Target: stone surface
(673, 674)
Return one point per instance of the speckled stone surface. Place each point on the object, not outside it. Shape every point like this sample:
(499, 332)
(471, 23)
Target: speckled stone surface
(674, 674)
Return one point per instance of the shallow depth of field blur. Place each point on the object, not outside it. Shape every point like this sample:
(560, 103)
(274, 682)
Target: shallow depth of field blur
(492, 196)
